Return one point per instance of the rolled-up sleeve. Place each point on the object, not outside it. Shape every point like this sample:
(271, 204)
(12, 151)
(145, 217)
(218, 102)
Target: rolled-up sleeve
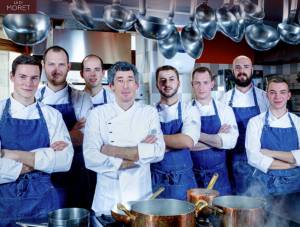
(9, 170)
(191, 123)
(253, 145)
(48, 160)
(149, 153)
(92, 143)
(229, 139)
(296, 154)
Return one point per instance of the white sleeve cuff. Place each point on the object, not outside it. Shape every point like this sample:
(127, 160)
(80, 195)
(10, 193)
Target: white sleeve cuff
(42, 159)
(10, 170)
(296, 154)
(146, 151)
(115, 162)
(265, 163)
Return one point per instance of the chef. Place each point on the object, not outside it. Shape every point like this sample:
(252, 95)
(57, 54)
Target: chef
(121, 139)
(181, 128)
(34, 143)
(272, 144)
(247, 101)
(219, 133)
(92, 72)
(73, 105)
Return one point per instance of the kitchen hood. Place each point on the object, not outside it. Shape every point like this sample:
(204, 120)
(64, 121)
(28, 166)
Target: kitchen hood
(110, 46)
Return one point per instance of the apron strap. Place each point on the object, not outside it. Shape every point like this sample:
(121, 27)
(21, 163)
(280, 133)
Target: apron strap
(254, 97)
(42, 94)
(104, 96)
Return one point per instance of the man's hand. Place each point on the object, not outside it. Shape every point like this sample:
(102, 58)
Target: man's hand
(126, 164)
(26, 169)
(150, 139)
(225, 128)
(10, 154)
(75, 134)
(266, 152)
(59, 145)
(107, 150)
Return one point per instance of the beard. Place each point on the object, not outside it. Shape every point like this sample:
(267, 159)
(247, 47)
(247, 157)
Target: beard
(164, 94)
(57, 79)
(244, 82)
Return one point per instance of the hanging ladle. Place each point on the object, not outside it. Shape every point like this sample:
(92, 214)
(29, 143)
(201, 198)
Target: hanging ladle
(239, 13)
(169, 46)
(254, 13)
(205, 18)
(289, 31)
(227, 22)
(191, 37)
(82, 13)
(260, 36)
(153, 27)
(117, 17)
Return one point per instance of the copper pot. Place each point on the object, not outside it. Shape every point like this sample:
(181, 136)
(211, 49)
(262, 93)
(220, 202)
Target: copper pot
(241, 211)
(163, 213)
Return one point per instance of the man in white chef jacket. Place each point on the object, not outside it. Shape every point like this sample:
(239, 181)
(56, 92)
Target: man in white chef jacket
(219, 133)
(34, 143)
(73, 105)
(121, 139)
(272, 144)
(246, 101)
(92, 72)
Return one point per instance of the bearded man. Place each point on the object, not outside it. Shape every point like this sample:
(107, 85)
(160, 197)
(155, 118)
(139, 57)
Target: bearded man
(247, 101)
(180, 125)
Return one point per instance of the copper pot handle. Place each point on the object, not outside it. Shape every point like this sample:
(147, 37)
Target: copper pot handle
(121, 207)
(213, 181)
(199, 205)
(157, 193)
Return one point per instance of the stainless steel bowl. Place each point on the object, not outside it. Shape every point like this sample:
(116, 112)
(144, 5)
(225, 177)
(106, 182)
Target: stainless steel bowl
(26, 29)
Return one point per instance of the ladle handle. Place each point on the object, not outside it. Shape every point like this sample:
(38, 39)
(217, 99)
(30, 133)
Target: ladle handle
(193, 9)
(142, 7)
(172, 9)
(121, 207)
(285, 13)
(212, 182)
(261, 4)
(157, 193)
(293, 11)
(116, 2)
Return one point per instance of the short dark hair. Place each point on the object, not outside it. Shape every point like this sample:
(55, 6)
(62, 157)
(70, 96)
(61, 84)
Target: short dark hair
(202, 69)
(276, 79)
(26, 60)
(56, 49)
(165, 68)
(90, 55)
(121, 66)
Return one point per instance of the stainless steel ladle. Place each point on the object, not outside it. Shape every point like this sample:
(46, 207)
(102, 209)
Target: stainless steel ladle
(205, 18)
(289, 31)
(117, 17)
(239, 13)
(254, 12)
(82, 13)
(191, 37)
(227, 22)
(153, 27)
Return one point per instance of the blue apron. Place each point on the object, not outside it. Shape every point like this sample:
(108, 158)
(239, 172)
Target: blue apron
(240, 172)
(278, 182)
(104, 99)
(213, 160)
(73, 185)
(32, 195)
(175, 171)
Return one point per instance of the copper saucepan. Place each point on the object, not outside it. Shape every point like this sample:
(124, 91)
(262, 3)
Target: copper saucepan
(120, 216)
(163, 212)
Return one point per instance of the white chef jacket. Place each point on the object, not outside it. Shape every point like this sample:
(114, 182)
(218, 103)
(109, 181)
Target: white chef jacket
(80, 100)
(99, 97)
(110, 124)
(253, 135)
(46, 159)
(226, 116)
(190, 118)
(241, 99)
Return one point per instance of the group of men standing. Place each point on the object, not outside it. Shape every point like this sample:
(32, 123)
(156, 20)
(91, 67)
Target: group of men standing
(61, 147)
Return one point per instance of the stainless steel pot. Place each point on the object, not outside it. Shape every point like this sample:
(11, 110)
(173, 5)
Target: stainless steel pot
(82, 13)
(26, 29)
(66, 217)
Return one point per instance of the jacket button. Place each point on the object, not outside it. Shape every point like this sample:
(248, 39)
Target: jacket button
(112, 141)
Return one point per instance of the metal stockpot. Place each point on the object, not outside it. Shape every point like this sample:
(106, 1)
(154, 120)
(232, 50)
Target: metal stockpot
(164, 212)
(241, 211)
(66, 217)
